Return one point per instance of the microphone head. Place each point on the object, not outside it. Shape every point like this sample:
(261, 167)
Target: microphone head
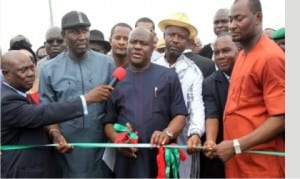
(119, 73)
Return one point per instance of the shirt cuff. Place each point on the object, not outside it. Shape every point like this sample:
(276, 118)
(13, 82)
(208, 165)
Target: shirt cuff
(193, 131)
(84, 105)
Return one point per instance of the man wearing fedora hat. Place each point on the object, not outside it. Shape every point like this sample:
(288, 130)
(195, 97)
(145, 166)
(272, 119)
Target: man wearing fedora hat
(178, 30)
(70, 73)
(97, 42)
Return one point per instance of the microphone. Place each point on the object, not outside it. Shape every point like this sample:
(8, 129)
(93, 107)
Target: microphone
(118, 75)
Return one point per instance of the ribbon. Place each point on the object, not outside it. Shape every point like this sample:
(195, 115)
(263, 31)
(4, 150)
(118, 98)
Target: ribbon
(168, 162)
(126, 133)
(34, 96)
(161, 163)
(112, 145)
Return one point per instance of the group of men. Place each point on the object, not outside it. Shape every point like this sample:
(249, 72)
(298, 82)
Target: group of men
(174, 97)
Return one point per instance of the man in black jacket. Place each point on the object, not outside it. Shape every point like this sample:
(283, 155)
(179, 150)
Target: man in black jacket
(22, 122)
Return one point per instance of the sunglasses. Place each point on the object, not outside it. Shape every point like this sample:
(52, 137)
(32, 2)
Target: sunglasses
(51, 41)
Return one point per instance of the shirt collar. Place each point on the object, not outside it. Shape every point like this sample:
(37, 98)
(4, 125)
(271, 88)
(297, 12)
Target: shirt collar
(18, 91)
(227, 76)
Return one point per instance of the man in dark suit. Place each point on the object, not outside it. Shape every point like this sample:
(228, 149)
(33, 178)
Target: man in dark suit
(206, 65)
(214, 91)
(22, 121)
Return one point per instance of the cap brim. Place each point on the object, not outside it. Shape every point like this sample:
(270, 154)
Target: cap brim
(170, 22)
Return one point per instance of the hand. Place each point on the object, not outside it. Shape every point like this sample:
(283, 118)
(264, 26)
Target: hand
(128, 152)
(98, 94)
(209, 149)
(225, 150)
(63, 146)
(159, 138)
(192, 143)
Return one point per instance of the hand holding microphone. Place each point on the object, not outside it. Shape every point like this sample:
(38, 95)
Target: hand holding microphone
(118, 75)
(102, 92)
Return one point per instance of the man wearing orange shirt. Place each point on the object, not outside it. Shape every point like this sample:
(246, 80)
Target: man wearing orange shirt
(254, 115)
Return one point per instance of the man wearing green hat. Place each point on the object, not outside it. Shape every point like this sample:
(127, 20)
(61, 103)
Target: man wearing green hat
(279, 37)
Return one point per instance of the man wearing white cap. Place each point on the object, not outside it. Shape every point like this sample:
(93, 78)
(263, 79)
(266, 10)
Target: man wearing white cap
(178, 30)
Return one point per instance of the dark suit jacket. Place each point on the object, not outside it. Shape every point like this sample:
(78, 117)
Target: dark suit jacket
(207, 51)
(214, 91)
(22, 124)
(206, 65)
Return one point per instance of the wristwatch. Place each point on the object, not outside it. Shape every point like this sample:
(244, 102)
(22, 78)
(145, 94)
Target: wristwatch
(169, 133)
(237, 146)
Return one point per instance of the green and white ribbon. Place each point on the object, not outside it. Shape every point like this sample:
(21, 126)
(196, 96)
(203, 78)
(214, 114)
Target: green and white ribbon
(113, 145)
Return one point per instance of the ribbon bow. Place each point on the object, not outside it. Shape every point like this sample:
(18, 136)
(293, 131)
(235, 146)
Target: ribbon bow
(126, 133)
(168, 161)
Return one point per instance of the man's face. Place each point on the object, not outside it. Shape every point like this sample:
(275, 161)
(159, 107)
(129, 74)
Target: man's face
(54, 46)
(221, 23)
(225, 52)
(242, 21)
(21, 73)
(176, 40)
(140, 48)
(77, 40)
(119, 41)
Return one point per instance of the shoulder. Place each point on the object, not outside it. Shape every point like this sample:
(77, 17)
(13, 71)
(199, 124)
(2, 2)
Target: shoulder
(211, 77)
(54, 62)
(163, 72)
(7, 94)
(100, 58)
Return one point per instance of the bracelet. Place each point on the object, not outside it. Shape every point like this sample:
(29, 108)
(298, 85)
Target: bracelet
(53, 130)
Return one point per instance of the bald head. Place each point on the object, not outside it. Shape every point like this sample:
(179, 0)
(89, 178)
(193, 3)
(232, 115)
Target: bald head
(11, 57)
(141, 31)
(140, 48)
(18, 70)
(54, 42)
(221, 21)
(53, 33)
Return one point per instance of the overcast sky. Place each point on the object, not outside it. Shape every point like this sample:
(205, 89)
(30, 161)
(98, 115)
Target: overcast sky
(32, 18)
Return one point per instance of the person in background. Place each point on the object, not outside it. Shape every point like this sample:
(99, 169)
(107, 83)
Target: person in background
(23, 122)
(178, 31)
(148, 23)
(206, 65)
(75, 71)
(268, 32)
(161, 46)
(197, 45)
(54, 45)
(279, 37)
(119, 40)
(40, 53)
(220, 25)
(150, 99)
(18, 38)
(97, 42)
(214, 92)
(254, 115)
(20, 42)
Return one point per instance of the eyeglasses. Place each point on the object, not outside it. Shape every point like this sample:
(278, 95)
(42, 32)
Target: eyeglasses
(51, 41)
